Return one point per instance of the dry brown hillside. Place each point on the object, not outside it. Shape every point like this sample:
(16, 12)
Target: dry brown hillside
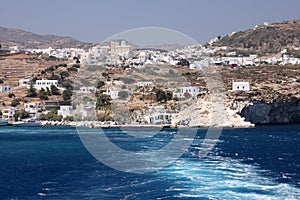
(265, 38)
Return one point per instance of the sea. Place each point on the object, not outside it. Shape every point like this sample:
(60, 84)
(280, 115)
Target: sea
(53, 163)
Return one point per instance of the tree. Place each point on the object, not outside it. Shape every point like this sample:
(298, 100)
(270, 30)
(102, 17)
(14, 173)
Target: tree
(54, 90)
(11, 95)
(64, 74)
(1, 81)
(103, 102)
(99, 84)
(183, 62)
(106, 75)
(160, 95)
(15, 102)
(66, 95)
(67, 84)
(21, 114)
(169, 96)
(52, 116)
(42, 94)
(31, 91)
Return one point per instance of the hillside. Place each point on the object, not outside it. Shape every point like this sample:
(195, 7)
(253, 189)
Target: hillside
(10, 37)
(266, 38)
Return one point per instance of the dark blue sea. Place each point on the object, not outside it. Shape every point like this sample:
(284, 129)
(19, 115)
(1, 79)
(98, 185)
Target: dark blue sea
(53, 163)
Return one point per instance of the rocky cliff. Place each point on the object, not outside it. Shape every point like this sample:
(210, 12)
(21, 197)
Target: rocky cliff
(272, 113)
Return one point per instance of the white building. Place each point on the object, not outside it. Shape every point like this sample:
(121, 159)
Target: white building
(65, 111)
(186, 92)
(32, 108)
(113, 93)
(5, 88)
(144, 83)
(85, 89)
(24, 82)
(244, 86)
(45, 84)
(158, 115)
(8, 113)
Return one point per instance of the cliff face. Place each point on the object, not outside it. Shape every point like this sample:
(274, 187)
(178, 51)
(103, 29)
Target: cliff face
(272, 113)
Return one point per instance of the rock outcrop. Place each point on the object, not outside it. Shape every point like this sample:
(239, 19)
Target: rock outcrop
(272, 113)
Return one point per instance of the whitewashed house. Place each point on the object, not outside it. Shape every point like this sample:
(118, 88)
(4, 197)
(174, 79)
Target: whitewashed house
(113, 93)
(24, 82)
(8, 113)
(32, 108)
(144, 83)
(242, 86)
(186, 92)
(5, 88)
(65, 111)
(158, 115)
(45, 84)
(85, 89)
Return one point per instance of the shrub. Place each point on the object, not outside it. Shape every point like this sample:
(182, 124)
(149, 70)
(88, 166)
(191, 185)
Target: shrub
(21, 114)
(54, 90)
(42, 95)
(15, 102)
(104, 117)
(51, 116)
(72, 69)
(99, 84)
(66, 95)
(10, 95)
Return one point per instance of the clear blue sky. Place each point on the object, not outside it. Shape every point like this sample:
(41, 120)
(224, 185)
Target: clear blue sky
(96, 20)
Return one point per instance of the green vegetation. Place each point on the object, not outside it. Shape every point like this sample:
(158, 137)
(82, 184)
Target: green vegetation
(54, 90)
(104, 117)
(76, 66)
(15, 102)
(103, 102)
(64, 74)
(21, 114)
(99, 84)
(66, 95)
(51, 116)
(43, 95)
(11, 95)
(31, 92)
(72, 69)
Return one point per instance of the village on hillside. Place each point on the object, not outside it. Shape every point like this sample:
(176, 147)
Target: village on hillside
(117, 83)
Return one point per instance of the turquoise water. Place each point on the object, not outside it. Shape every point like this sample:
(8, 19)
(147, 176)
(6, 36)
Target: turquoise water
(52, 163)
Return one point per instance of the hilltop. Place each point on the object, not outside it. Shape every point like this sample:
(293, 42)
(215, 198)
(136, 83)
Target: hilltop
(17, 37)
(265, 38)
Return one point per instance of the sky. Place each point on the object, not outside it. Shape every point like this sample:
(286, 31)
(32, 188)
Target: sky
(96, 20)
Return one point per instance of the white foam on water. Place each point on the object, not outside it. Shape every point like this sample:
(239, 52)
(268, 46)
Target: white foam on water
(224, 178)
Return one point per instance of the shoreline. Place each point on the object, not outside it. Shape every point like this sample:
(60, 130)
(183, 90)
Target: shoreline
(96, 124)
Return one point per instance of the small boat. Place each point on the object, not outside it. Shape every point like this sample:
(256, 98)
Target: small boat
(3, 122)
(27, 123)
